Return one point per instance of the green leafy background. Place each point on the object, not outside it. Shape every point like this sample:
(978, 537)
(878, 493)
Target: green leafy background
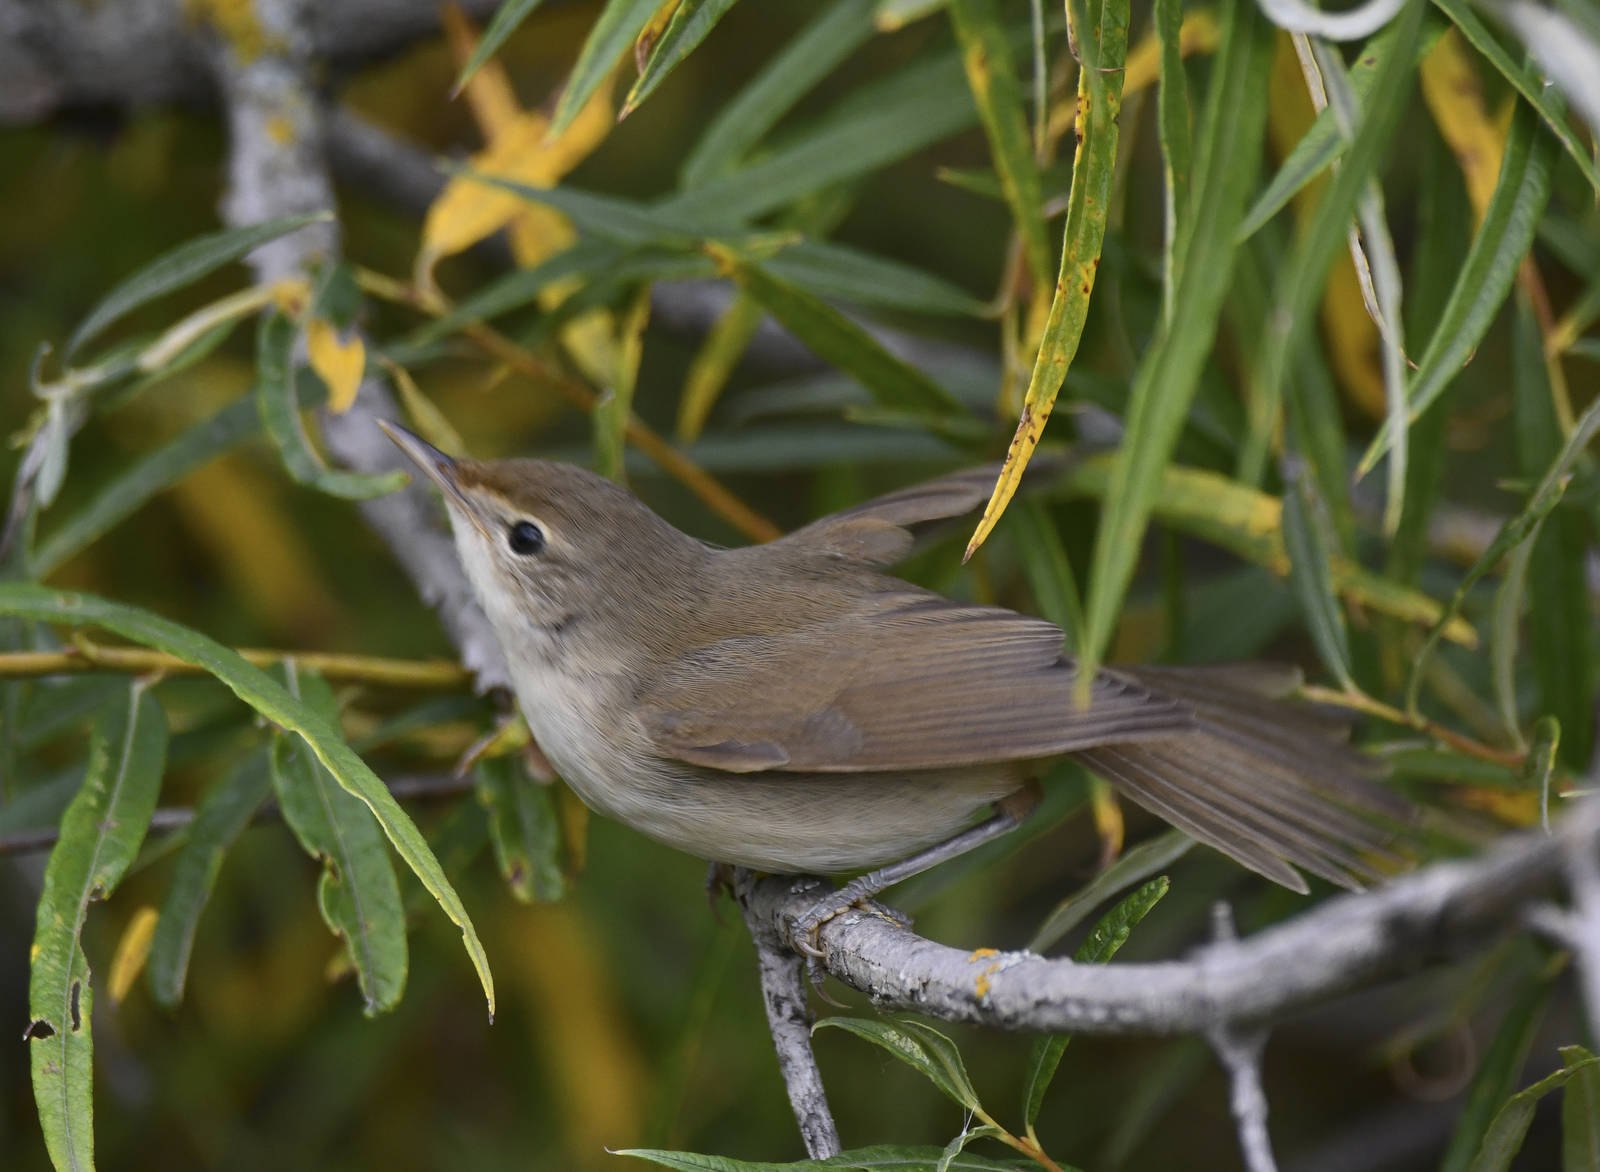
(840, 176)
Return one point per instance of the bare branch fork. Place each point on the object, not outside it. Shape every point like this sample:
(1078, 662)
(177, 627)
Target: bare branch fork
(1230, 990)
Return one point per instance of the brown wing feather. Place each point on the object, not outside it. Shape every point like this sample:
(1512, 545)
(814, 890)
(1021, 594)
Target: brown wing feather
(913, 682)
(881, 531)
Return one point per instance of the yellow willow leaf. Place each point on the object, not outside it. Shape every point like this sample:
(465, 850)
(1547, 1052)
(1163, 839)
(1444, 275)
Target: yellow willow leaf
(1454, 94)
(426, 419)
(339, 363)
(1353, 344)
(645, 43)
(468, 211)
(1198, 35)
(292, 295)
(1108, 823)
(132, 951)
(488, 92)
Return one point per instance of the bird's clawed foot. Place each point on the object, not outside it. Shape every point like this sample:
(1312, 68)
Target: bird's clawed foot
(806, 930)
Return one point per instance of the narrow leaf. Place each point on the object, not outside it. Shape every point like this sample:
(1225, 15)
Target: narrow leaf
(997, 91)
(1502, 241)
(1580, 1112)
(1510, 1126)
(691, 24)
(1303, 275)
(1324, 142)
(222, 814)
(100, 835)
(1558, 554)
(1523, 527)
(507, 18)
(836, 339)
(1526, 81)
(1135, 866)
(1177, 150)
(879, 124)
(1044, 561)
(183, 266)
(279, 403)
(812, 55)
(619, 24)
(1165, 383)
(714, 363)
(1108, 937)
(357, 892)
(266, 696)
(909, 1042)
(838, 272)
(524, 829)
(1307, 537)
(1497, 1075)
(1104, 47)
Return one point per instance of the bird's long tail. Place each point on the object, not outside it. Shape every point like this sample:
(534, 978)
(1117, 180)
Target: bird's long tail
(1272, 783)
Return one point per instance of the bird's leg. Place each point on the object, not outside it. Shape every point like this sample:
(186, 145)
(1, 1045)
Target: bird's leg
(1011, 811)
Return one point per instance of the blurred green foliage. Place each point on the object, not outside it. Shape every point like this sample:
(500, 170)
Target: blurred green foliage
(844, 167)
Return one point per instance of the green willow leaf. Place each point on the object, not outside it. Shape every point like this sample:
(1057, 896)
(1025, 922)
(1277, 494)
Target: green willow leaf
(1510, 1125)
(100, 835)
(266, 696)
(1134, 866)
(839, 272)
(997, 91)
(183, 266)
(1101, 945)
(878, 125)
(524, 828)
(1165, 383)
(920, 1047)
(809, 57)
(1177, 148)
(357, 891)
(837, 340)
(520, 288)
(1580, 1113)
(1511, 538)
(1497, 251)
(1323, 142)
(1049, 573)
(690, 24)
(1526, 81)
(151, 474)
(278, 400)
(222, 815)
(1497, 1075)
(1308, 537)
(613, 35)
(507, 18)
(1303, 275)
(1558, 553)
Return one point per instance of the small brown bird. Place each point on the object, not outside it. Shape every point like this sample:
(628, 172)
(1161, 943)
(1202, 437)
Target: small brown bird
(791, 708)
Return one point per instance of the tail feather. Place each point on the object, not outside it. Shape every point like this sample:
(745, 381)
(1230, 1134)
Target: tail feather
(1269, 782)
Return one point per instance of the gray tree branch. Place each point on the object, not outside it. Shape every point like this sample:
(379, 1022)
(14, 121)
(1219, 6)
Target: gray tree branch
(1341, 944)
(277, 167)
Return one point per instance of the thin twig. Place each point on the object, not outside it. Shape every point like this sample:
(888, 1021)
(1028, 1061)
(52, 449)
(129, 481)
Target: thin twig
(783, 992)
(1371, 706)
(1239, 1049)
(85, 656)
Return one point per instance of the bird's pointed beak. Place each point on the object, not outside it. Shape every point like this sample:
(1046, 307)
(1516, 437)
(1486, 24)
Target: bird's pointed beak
(441, 469)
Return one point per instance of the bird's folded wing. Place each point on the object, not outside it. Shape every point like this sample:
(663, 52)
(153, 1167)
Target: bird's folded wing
(880, 531)
(908, 681)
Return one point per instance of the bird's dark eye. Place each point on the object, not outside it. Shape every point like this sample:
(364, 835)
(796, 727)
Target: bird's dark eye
(525, 538)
